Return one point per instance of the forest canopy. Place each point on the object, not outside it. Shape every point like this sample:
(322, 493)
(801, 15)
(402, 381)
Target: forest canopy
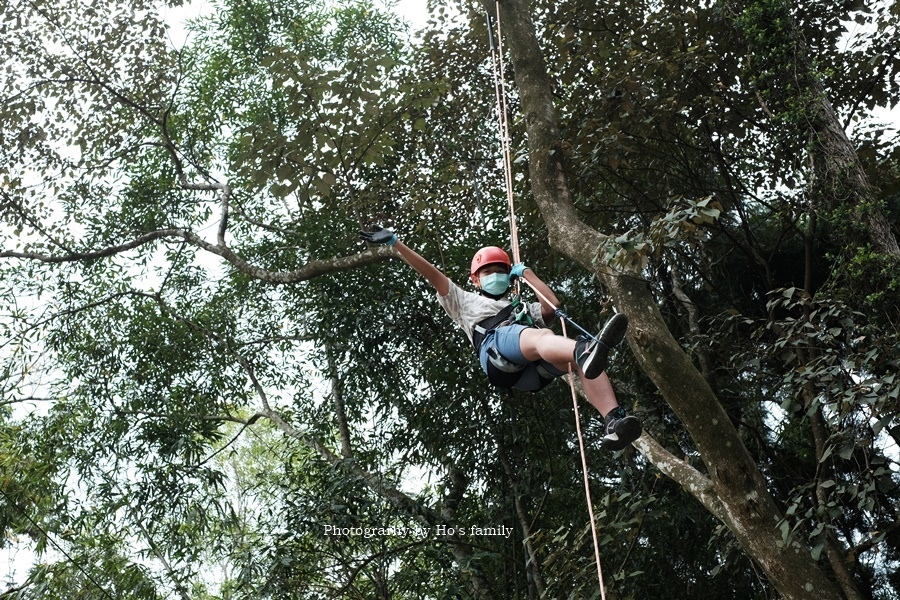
(211, 388)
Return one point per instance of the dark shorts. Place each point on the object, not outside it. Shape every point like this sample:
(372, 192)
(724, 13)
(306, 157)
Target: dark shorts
(501, 358)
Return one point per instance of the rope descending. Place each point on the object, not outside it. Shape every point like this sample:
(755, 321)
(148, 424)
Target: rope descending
(503, 124)
(500, 92)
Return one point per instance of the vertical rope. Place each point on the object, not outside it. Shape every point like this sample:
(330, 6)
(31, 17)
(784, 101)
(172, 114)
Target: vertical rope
(584, 467)
(500, 91)
(584, 472)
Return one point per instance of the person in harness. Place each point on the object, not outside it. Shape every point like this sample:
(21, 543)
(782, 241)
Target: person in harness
(512, 340)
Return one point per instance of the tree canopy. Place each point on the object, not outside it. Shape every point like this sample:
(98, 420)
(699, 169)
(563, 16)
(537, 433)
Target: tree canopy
(211, 389)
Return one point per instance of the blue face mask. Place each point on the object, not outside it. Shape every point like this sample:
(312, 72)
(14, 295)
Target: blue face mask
(495, 284)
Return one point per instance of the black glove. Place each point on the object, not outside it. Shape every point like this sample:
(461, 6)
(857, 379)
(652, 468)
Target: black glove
(379, 235)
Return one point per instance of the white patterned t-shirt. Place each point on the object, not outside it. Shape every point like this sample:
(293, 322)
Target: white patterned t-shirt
(468, 309)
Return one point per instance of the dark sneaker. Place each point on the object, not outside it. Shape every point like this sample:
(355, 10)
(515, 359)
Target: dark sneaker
(621, 429)
(592, 355)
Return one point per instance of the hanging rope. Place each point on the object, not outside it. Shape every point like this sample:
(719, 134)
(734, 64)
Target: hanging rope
(500, 92)
(584, 467)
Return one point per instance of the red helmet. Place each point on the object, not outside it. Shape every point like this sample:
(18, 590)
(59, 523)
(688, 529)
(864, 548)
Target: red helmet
(489, 255)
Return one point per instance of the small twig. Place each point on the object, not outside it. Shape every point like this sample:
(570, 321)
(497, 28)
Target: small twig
(249, 422)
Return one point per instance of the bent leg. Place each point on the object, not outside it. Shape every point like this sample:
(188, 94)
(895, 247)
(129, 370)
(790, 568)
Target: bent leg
(559, 351)
(537, 344)
(620, 429)
(599, 393)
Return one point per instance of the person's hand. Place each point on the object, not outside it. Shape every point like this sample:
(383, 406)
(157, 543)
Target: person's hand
(379, 235)
(517, 270)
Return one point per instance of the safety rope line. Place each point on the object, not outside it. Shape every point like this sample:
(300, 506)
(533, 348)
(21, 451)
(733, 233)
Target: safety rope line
(584, 467)
(584, 472)
(503, 123)
(500, 91)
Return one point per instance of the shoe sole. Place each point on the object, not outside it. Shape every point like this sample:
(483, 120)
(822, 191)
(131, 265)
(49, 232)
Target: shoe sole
(614, 330)
(596, 361)
(627, 430)
(610, 336)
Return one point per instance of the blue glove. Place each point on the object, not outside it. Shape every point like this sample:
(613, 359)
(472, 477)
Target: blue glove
(379, 235)
(518, 270)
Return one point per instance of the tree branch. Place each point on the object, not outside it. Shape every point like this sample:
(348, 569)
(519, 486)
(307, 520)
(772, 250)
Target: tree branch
(225, 196)
(13, 592)
(310, 270)
(234, 438)
(337, 393)
(697, 484)
(693, 317)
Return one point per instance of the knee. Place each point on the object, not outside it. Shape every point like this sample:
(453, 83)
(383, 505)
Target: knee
(534, 336)
(532, 340)
(544, 335)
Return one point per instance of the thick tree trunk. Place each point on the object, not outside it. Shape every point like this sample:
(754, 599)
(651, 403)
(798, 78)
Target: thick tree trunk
(841, 178)
(840, 182)
(745, 505)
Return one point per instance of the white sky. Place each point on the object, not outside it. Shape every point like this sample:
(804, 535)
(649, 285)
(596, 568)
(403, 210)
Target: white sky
(414, 11)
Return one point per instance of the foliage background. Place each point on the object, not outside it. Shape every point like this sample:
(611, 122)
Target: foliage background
(203, 366)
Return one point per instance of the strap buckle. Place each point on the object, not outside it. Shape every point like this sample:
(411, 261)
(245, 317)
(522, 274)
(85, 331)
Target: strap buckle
(520, 312)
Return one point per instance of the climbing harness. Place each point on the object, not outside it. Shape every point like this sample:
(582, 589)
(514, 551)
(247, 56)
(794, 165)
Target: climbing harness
(500, 92)
(502, 318)
(515, 313)
(502, 372)
(520, 312)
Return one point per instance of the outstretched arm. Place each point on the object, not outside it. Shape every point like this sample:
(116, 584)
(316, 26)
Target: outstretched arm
(379, 235)
(438, 280)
